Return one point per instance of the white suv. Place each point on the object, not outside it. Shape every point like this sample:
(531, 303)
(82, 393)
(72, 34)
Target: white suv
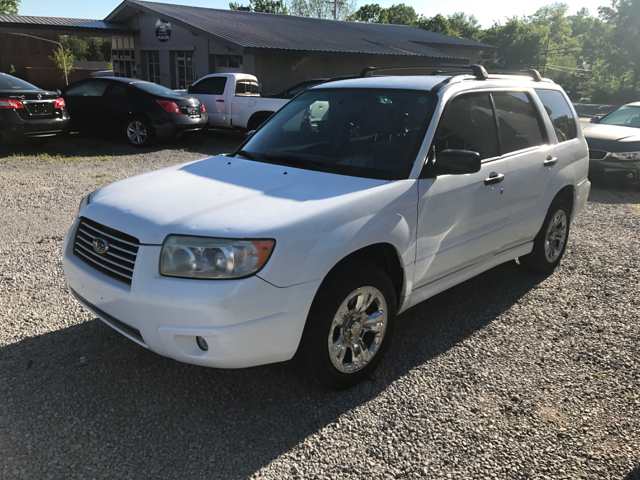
(356, 201)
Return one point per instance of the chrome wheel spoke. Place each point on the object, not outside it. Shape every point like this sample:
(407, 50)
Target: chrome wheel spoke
(556, 236)
(352, 330)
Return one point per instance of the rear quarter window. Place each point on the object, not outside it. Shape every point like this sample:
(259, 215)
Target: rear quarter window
(562, 118)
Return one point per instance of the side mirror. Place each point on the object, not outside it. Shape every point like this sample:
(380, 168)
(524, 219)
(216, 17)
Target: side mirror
(250, 132)
(456, 162)
(595, 119)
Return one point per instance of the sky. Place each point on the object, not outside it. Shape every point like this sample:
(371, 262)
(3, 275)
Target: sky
(486, 12)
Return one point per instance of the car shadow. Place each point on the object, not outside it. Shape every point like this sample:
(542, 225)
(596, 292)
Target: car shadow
(613, 193)
(211, 142)
(119, 408)
(633, 474)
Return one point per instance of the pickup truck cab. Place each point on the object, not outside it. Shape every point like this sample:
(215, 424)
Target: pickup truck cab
(233, 100)
(356, 201)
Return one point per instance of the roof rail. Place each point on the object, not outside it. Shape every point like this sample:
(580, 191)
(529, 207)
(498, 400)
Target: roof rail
(368, 70)
(531, 72)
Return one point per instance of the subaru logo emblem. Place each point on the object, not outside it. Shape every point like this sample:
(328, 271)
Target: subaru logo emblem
(100, 246)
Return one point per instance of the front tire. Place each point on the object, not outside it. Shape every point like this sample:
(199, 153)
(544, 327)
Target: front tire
(551, 242)
(138, 132)
(349, 327)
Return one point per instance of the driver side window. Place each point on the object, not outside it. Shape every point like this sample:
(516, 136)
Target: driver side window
(468, 123)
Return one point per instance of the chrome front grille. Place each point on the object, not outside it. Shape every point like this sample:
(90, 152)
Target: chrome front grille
(597, 154)
(119, 258)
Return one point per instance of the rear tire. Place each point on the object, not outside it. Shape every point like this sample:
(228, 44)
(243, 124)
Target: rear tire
(349, 327)
(551, 242)
(138, 132)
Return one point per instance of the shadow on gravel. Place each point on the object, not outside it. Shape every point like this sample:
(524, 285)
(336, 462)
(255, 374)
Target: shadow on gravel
(92, 145)
(98, 401)
(633, 474)
(613, 193)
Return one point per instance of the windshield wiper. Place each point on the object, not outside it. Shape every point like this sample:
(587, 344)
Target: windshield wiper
(245, 154)
(293, 161)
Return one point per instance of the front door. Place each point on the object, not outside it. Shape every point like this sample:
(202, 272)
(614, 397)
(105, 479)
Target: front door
(461, 217)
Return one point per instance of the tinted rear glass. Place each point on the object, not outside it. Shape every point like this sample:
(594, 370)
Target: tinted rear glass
(7, 82)
(564, 123)
(518, 120)
(154, 88)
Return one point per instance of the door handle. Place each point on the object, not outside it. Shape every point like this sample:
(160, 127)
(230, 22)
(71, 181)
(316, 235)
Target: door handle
(220, 101)
(494, 178)
(550, 161)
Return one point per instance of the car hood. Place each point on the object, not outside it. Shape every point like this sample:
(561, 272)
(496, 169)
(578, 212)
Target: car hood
(612, 138)
(219, 196)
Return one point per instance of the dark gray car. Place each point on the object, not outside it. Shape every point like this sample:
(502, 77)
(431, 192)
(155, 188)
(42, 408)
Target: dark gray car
(614, 145)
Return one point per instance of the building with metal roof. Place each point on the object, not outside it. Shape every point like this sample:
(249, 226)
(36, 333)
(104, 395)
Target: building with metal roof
(174, 45)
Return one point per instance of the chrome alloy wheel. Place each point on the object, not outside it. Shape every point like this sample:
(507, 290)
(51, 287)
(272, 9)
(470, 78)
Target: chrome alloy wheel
(556, 236)
(137, 132)
(357, 329)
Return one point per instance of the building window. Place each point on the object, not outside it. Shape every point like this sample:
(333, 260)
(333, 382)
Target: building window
(123, 57)
(185, 69)
(229, 64)
(153, 66)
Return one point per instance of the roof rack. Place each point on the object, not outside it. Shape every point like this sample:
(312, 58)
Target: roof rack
(368, 70)
(530, 72)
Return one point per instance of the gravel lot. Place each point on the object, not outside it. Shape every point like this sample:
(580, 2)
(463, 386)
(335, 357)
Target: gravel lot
(508, 376)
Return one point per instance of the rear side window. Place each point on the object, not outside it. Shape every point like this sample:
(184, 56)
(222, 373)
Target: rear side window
(247, 87)
(210, 86)
(564, 123)
(518, 119)
(88, 89)
(468, 123)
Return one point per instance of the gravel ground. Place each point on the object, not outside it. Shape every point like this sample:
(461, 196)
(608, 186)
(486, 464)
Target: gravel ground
(508, 376)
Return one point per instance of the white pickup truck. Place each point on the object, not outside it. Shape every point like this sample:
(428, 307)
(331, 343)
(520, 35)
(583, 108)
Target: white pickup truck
(233, 100)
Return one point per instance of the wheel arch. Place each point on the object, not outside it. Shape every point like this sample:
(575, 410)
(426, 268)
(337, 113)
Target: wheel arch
(568, 195)
(266, 114)
(384, 256)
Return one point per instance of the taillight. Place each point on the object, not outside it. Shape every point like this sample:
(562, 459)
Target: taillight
(168, 106)
(7, 103)
(59, 103)
(203, 109)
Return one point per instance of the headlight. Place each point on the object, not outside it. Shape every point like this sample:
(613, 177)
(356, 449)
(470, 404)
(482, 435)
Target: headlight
(630, 156)
(213, 258)
(86, 200)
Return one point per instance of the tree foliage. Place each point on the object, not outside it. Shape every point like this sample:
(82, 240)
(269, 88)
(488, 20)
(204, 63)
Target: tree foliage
(63, 60)
(92, 49)
(9, 7)
(276, 6)
(328, 9)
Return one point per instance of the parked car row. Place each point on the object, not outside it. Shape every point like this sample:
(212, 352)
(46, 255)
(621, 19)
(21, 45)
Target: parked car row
(136, 110)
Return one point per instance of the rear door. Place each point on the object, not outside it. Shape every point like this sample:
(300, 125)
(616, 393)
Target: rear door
(531, 162)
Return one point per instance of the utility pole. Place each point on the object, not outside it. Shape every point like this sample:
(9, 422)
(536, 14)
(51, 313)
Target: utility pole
(546, 52)
(64, 60)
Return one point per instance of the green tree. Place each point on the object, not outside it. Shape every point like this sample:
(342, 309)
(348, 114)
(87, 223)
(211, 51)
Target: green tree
(9, 7)
(74, 45)
(402, 14)
(436, 24)
(333, 9)
(519, 43)
(464, 26)
(63, 60)
(277, 6)
(370, 13)
(624, 16)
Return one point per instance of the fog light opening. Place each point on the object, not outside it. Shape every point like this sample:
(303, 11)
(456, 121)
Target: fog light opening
(202, 344)
(630, 176)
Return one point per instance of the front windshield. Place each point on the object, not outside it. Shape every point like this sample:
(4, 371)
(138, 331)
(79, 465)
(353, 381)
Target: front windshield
(624, 116)
(154, 88)
(7, 82)
(372, 133)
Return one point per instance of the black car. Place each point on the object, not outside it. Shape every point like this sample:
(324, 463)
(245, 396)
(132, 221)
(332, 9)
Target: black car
(614, 145)
(27, 111)
(139, 111)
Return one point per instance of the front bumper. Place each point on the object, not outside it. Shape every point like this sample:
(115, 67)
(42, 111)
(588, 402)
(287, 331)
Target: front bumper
(245, 322)
(615, 170)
